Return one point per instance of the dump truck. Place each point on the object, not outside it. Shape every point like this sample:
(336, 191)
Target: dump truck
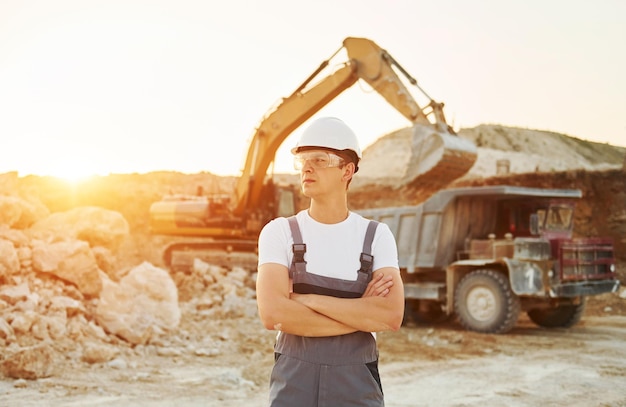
(486, 254)
(224, 228)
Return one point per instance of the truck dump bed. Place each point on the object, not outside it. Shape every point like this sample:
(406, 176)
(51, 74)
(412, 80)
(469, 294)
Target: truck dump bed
(432, 234)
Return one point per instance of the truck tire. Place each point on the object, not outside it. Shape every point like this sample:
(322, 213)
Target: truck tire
(564, 316)
(484, 302)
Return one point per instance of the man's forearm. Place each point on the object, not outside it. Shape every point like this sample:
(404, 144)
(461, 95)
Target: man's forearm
(297, 319)
(280, 312)
(380, 308)
(362, 314)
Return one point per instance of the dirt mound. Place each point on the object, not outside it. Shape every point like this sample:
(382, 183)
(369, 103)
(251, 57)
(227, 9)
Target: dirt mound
(570, 151)
(516, 150)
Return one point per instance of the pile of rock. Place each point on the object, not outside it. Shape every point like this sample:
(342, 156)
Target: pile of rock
(61, 294)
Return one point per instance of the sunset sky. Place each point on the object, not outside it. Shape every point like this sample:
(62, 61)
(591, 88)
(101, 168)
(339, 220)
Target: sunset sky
(121, 86)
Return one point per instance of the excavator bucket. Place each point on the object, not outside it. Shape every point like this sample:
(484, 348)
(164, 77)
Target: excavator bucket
(417, 157)
(437, 158)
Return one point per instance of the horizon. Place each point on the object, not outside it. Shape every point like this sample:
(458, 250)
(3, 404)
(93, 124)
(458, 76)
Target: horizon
(83, 178)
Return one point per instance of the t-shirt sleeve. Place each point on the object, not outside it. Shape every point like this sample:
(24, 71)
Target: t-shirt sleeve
(384, 248)
(274, 242)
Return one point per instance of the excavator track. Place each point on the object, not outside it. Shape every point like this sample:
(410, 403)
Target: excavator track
(180, 257)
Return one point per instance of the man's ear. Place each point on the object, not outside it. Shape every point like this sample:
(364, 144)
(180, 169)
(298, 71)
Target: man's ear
(348, 171)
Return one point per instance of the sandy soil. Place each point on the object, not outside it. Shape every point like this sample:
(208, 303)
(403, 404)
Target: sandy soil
(420, 366)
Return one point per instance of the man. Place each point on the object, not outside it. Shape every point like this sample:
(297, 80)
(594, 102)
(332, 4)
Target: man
(326, 312)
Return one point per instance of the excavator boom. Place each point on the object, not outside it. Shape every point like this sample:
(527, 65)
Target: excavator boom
(374, 65)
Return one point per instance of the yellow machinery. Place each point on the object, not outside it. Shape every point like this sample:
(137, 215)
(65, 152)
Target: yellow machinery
(233, 225)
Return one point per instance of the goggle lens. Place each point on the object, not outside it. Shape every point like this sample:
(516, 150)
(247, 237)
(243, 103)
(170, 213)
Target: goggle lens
(317, 159)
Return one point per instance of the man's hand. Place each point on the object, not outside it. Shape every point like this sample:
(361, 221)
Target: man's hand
(379, 286)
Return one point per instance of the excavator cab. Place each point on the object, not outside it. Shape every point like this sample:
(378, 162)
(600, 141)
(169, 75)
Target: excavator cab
(286, 202)
(276, 200)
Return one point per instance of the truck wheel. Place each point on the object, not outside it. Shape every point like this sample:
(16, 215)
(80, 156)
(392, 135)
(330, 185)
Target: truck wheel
(424, 311)
(484, 302)
(564, 316)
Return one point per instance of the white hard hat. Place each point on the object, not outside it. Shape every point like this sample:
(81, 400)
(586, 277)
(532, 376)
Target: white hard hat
(329, 132)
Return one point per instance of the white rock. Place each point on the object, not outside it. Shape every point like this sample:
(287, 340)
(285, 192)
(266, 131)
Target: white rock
(9, 260)
(118, 363)
(145, 301)
(14, 293)
(70, 260)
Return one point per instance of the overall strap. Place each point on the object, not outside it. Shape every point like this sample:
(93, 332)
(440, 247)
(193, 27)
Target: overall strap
(367, 260)
(299, 248)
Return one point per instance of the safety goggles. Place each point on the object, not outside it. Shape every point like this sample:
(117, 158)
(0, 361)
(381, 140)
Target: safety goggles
(317, 159)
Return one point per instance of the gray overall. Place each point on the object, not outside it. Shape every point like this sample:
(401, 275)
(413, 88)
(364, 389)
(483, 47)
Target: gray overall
(327, 371)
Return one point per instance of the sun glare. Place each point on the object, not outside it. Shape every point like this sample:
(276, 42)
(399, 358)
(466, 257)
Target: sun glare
(74, 177)
(69, 172)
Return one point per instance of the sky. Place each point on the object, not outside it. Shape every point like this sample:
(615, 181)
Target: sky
(134, 86)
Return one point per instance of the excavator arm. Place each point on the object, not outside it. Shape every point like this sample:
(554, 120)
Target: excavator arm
(277, 126)
(367, 61)
(222, 231)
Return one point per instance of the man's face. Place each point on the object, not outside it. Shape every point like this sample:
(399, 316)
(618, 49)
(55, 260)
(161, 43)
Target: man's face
(321, 172)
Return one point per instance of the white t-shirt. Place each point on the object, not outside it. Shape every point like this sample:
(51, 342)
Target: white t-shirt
(331, 250)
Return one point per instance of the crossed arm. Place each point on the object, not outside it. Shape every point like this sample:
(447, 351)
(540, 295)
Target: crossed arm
(379, 309)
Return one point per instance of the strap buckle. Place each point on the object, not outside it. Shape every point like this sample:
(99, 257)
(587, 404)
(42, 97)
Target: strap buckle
(367, 262)
(298, 252)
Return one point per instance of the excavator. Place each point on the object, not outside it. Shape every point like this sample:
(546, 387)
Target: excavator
(223, 229)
